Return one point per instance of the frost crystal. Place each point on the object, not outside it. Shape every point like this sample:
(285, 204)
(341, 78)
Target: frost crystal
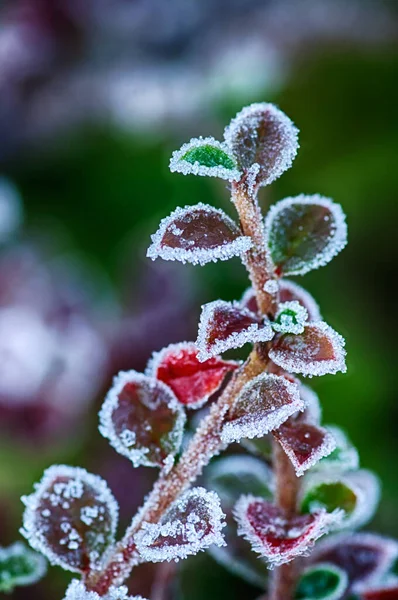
(262, 134)
(55, 518)
(20, 566)
(191, 380)
(143, 420)
(263, 405)
(304, 233)
(77, 591)
(198, 234)
(317, 351)
(226, 325)
(304, 444)
(343, 458)
(290, 318)
(205, 156)
(271, 286)
(191, 524)
(277, 539)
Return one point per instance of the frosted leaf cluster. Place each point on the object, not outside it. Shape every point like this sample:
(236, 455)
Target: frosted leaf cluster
(262, 134)
(198, 234)
(304, 233)
(290, 318)
(263, 405)
(205, 156)
(78, 591)
(20, 566)
(225, 325)
(71, 518)
(143, 420)
(318, 351)
(193, 523)
(275, 538)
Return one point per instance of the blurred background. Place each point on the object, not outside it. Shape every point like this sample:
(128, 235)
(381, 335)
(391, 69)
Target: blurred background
(94, 97)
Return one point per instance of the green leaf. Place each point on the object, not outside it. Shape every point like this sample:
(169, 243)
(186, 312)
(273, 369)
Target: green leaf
(330, 495)
(322, 582)
(205, 156)
(20, 566)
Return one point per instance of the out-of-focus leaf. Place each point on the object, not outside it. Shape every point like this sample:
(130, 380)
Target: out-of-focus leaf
(19, 566)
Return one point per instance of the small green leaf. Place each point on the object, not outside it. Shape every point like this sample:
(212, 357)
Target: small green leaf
(19, 566)
(330, 495)
(205, 156)
(322, 582)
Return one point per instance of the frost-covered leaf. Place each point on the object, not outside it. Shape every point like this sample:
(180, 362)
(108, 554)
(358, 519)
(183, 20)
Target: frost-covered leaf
(230, 476)
(20, 566)
(143, 420)
(304, 233)
(198, 234)
(193, 523)
(291, 317)
(357, 493)
(191, 380)
(312, 413)
(364, 556)
(322, 582)
(263, 405)
(205, 156)
(78, 591)
(226, 325)
(304, 444)
(71, 518)
(275, 538)
(259, 446)
(343, 458)
(263, 137)
(317, 351)
(382, 591)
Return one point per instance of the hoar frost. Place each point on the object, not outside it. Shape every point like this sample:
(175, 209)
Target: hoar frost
(290, 318)
(214, 160)
(78, 591)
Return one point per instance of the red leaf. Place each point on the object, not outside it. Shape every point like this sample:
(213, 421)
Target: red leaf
(317, 351)
(304, 444)
(225, 325)
(198, 234)
(289, 291)
(275, 537)
(192, 381)
(387, 592)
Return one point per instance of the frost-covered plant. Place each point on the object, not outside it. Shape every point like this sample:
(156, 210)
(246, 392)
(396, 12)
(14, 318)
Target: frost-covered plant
(303, 481)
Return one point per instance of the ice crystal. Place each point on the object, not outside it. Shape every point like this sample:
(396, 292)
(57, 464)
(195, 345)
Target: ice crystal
(343, 458)
(304, 233)
(78, 591)
(263, 405)
(20, 566)
(323, 582)
(317, 351)
(275, 538)
(290, 318)
(205, 156)
(143, 420)
(198, 234)
(192, 523)
(191, 380)
(53, 522)
(271, 286)
(304, 444)
(262, 134)
(365, 557)
(226, 325)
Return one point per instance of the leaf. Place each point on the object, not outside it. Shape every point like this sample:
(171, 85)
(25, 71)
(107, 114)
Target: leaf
(205, 156)
(71, 518)
(192, 381)
(262, 135)
(322, 582)
(312, 413)
(192, 523)
(198, 234)
(225, 325)
(263, 405)
(291, 317)
(364, 556)
(78, 591)
(317, 351)
(276, 538)
(304, 233)
(304, 444)
(261, 447)
(143, 420)
(357, 493)
(387, 591)
(343, 458)
(20, 566)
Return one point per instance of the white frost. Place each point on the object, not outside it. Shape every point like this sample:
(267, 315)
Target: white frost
(78, 591)
(324, 449)
(179, 165)
(347, 458)
(290, 318)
